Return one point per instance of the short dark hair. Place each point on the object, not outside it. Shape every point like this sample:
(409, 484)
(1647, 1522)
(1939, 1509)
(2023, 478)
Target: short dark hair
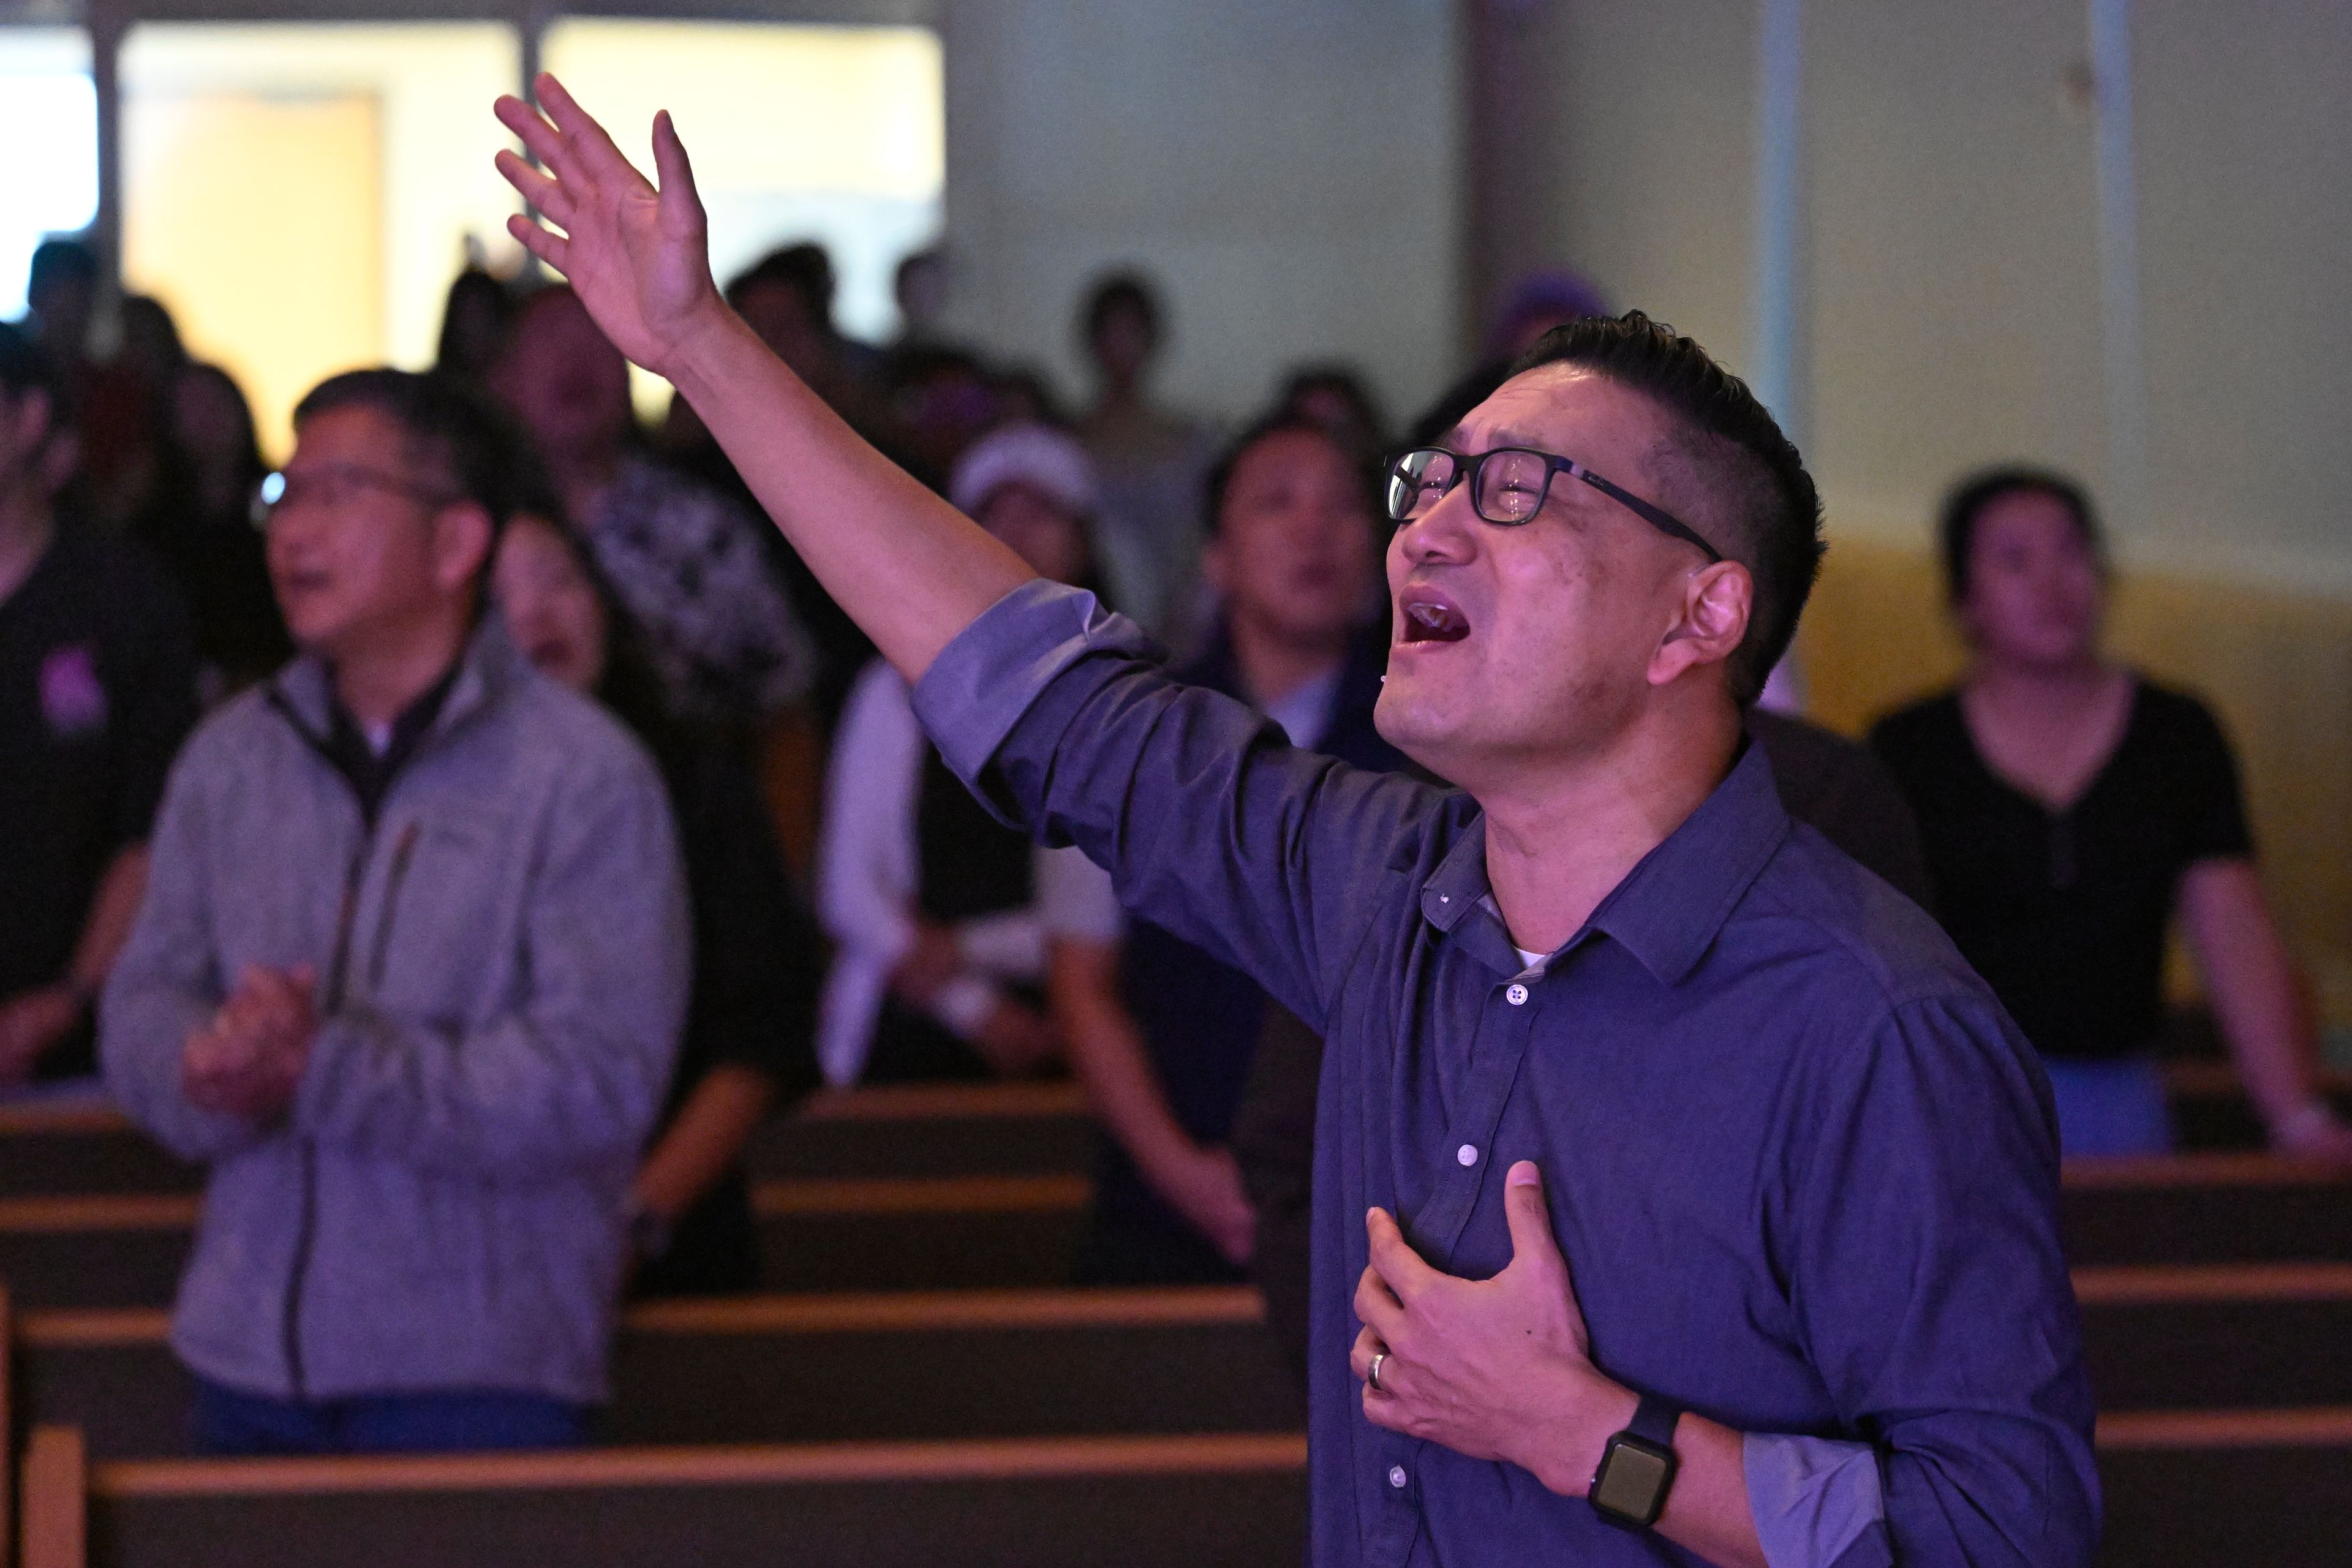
(72, 260)
(1220, 479)
(24, 368)
(1964, 506)
(457, 427)
(1126, 290)
(1767, 510)
(806, 268)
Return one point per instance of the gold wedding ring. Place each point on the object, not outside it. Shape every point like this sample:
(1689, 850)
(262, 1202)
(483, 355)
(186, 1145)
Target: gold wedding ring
(1372, 1377)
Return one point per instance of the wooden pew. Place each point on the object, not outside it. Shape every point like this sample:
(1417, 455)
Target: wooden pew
(9, 1422)
(930, 1129)
(2218, 1337)
(55, 1500)
(2227, 1488)
(1140, 1502)
(84, 1148)
(797, 1368)
(1015, 1231)
(2210, 1110)
(884, 1234)
(2206, 1208)
(2212, 1489)
(1064, 1362)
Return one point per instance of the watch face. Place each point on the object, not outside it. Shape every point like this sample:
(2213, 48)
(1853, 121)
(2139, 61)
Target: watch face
(1630, 1480)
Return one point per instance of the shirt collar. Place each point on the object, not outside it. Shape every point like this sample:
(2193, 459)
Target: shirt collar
(489, 664)
(1668, 910)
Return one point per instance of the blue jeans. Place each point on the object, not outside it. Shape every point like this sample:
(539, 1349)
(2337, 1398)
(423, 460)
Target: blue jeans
(2110, 1106)
(229, 1422)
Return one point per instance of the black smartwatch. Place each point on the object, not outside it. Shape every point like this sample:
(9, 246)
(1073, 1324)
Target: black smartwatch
(1637, 1468)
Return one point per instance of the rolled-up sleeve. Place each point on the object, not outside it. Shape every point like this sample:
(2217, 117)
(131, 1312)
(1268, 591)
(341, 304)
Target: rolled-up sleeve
(1208, 821)
(1816, 1501)
(1935, 1301)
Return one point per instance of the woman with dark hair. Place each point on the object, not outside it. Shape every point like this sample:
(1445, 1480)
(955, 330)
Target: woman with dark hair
(474, 322)
(1149, 460)
(200, 524)
(2071, 809)
(691, 566)
(752, 1012)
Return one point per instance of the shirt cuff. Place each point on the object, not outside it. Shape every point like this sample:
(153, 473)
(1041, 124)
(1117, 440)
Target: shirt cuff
(1816, 1501)
(982, 682)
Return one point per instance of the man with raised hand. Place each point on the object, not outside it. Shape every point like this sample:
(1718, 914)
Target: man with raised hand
(1798, 1295)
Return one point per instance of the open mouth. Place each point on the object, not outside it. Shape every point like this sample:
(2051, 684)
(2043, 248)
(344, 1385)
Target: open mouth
(1430, 617)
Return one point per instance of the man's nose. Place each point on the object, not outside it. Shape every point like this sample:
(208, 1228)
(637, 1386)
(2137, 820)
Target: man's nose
(1447, 532)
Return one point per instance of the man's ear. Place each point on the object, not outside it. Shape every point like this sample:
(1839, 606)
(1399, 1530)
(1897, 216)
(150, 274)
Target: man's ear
(1712, 623)
(462, 532)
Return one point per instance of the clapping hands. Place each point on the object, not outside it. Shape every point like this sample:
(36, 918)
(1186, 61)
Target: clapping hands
(247, 1061)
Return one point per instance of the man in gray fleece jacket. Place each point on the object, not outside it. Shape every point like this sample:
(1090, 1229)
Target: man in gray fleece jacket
(409, 975)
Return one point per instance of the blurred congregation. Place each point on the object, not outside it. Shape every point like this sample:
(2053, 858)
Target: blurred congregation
(699, 1064)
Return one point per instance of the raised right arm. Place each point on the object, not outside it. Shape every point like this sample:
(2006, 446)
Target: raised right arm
(907, 567)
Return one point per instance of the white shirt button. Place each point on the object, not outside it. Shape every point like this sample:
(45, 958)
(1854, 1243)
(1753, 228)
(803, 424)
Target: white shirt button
(1467, 1154)
(1396, 1474)
(1517, 995)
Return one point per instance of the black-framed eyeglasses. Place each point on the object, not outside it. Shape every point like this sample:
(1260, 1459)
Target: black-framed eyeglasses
(1508, 487)
(335, 484)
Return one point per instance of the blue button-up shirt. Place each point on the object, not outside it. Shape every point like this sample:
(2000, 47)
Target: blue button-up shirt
(1803, 1169)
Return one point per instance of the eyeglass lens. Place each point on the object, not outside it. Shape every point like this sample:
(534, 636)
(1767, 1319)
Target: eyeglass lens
(1506, 486)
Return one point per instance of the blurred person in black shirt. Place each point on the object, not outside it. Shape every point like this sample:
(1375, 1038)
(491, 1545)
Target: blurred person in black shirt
(96, 690)
(200, 525)
(749, 1040)
(2072, 809)
(474, 323)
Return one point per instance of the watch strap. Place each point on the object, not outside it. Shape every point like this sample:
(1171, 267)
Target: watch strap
(1655, 1420)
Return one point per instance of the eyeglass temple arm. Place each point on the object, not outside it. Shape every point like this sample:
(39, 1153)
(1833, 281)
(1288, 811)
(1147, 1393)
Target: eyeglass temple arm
(1657, 516)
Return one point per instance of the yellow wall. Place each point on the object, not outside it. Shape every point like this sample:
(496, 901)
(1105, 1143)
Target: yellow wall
(291, 241)
(259, 224)
(2276, 667)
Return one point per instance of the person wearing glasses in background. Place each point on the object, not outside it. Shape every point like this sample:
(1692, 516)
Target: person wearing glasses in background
(98, 688)
(409, 976)
(1679, 1190)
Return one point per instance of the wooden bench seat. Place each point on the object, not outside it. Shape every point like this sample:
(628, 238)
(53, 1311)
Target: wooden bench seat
(86, 1147)
(2218, 1337)
(880, 1233)
(1025, 1363)
(797, 1368)
(2206, 1208)
(2226, 1488)
(2216, 1489)
(1138, 1502)
(2209, 1108)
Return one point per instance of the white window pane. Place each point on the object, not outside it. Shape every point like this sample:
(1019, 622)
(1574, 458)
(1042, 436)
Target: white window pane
(48, 147)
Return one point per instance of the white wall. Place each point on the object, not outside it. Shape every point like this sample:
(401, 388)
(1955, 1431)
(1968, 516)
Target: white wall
(1285, 168)
(2245, 144)
(1951, 238)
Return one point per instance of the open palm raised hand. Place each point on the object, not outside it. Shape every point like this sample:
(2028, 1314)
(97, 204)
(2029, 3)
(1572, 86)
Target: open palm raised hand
(640, 257)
